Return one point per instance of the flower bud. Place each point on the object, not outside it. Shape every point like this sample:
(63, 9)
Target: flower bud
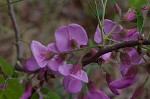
(129, 15)
(144, 7)
(117, 9)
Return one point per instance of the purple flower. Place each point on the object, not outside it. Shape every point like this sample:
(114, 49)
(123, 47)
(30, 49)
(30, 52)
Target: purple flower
(44, 56)
(73, 75)
(128, 79)
(109, 79)
(144, 7)
(94, 93)
(70, 37)
(31, 65)
(129, 15)
(28, 91)
(134, 55)
(72, 85)
(56, 61)
(126, 35)
(41, 53)
(74, 71)
(108, 26)
(127, 68)
(67, 37)
(129, 58)
(125, 63)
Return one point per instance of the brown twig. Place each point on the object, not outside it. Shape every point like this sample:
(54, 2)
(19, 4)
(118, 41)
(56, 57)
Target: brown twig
(114, 47)
(17, 33)
(16, 28)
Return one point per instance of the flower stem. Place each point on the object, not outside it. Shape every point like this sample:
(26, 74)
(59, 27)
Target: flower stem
(99, 23)
(79, 49)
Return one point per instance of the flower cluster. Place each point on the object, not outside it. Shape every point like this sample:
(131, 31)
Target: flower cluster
(54, 58)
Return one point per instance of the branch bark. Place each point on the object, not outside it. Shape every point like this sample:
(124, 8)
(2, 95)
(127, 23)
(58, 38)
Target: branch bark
(16, 28)
(115, 47)
(17, 35)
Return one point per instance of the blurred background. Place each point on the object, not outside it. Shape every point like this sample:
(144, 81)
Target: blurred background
(38, 20)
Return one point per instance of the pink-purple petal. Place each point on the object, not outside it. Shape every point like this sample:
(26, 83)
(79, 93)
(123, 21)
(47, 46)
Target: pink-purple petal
(106, 56)
(134, 55)
(72, 85)
(65, 69)
(52, 47)
(109, 79)
(123, 82)
(96, 95)
(62, 38)
(31, 65)
(80, 75)
(78, 33)
(54, 64)
(27, 93)
(97, 35)
(129, 15)
(125, 63)
(39, 51)
(108, 26)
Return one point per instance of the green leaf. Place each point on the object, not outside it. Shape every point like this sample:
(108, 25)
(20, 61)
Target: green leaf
(137, 3)
(52, 95)
(6, 68)
(44, 90)
(2, 80)
(108, 68)
(35, 96)
(13, 89)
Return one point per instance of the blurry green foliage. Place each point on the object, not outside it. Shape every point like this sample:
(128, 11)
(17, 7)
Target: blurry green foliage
(6, 67)
(52, 95)
(2, 80)
(137, 3)
(49, 94)
(13, 90)
(108, 68)
(35, 96)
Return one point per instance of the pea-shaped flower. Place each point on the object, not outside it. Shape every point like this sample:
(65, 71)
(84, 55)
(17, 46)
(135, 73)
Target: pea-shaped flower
(70, 37)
